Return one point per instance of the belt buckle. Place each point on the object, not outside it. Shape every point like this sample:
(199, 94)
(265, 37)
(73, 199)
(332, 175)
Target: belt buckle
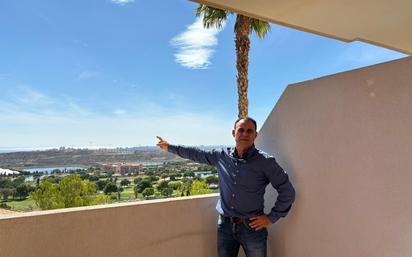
(235, 220)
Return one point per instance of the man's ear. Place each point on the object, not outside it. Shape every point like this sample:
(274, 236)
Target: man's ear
(233, 132)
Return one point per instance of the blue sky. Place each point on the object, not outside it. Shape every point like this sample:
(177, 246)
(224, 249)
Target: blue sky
(119, 72)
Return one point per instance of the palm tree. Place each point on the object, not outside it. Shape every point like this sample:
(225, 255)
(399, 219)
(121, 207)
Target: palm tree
(244, 26)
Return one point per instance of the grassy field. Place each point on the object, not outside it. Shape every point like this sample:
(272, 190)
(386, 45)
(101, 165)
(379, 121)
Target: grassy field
(23, 206)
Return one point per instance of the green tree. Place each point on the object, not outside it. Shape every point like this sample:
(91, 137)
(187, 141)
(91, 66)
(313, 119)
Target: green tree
(17, 181)
(148, 191)
(142, 185)
(23, 190)
(71, 191)
(154, 178)
(185, 188)
(84, 175)
(175, 185)
(172, 176)
(124, 182)
(56, 171)
(212, 180)
(200, 188)
(6, 192)
(119, 190)
(110, 188)
(101, 184)
(135, 190)
(149, 173)
(164, 188)
(244, 25)
(94, 177)
(5, 183)
(188, 174)
(47, 196)
(137, 180)
(149, 178)
(53, 179)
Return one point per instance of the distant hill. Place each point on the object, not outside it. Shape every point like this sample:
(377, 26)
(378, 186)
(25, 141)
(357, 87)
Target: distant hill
(86, 157)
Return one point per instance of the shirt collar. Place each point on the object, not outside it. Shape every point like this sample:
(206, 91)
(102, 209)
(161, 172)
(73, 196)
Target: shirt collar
(248, 153)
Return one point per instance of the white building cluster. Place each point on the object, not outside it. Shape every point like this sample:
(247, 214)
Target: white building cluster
(6, 172)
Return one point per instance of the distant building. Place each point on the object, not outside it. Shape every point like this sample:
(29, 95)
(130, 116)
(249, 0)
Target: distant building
(213, 186)
(6, 172)
(122, 168)
(203, 174)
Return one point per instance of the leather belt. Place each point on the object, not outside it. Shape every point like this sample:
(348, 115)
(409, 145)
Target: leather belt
(234, 220)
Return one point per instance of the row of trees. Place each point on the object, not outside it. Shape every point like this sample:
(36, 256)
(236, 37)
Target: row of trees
(15, 188)
(185, 187)
(82, 188)
(73, 191)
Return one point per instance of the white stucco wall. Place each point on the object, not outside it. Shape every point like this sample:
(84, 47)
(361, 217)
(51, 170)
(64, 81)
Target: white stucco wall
(346, 141)
(181, 227)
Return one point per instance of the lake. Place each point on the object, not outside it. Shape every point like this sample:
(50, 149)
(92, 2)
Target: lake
(62, 168)
(50, 169)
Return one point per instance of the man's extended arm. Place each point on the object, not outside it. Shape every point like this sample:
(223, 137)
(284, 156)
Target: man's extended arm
(191, 153)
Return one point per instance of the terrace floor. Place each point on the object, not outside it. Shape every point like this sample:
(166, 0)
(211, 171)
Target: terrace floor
(6, 212)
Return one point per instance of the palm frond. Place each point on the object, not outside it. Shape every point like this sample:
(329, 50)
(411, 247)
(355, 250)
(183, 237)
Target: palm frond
(259, 27)
(212, 17)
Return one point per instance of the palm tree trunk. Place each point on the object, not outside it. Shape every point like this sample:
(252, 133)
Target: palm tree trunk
(242, 31)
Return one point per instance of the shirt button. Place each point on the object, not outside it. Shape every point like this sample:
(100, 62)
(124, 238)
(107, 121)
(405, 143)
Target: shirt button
(233, 195)
(234, 182)
(231, 207)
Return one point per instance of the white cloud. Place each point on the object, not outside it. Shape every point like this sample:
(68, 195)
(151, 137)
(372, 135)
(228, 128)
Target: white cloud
(24, 99)
(122, 2)
(87, 75)
(195, 45)
(28, 96)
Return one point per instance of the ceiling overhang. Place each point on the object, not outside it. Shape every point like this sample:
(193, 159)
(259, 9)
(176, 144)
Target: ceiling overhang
(379, 22)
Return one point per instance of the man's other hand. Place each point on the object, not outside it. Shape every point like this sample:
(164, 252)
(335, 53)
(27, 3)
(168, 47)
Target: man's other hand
(163, 144)
(259, 222)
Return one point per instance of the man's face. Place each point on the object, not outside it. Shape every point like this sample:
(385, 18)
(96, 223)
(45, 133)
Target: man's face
(244, 134)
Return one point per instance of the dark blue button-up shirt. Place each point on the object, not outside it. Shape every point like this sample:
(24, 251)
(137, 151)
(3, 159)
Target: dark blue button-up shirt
(243, 181)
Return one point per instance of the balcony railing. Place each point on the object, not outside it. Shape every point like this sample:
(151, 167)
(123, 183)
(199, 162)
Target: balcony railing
(175, 227)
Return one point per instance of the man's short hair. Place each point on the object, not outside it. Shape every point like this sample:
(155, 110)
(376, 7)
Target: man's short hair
(246, 118)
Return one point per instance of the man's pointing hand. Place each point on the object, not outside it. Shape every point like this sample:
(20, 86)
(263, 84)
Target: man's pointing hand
(163, 144)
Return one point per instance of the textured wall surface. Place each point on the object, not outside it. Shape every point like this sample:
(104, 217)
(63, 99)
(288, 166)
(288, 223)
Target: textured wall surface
(163, 228)
(346, 141)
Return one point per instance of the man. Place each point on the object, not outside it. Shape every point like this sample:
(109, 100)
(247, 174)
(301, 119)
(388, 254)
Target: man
(244, 174)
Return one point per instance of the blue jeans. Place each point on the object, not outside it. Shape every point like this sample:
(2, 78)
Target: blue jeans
(231, 236)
